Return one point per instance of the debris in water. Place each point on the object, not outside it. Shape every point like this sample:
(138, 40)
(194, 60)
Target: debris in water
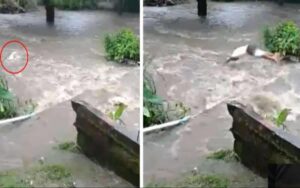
(42, 160)
(195, 170)
(74, 184)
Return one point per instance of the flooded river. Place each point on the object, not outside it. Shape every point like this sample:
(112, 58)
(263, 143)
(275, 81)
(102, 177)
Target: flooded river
(189, 67)
(66, 60)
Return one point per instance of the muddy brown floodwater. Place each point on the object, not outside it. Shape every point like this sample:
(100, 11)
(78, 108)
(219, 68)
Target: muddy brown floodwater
(189, 67)
(66, 60)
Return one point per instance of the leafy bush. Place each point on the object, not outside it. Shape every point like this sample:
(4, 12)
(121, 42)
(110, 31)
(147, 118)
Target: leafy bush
(284, 38)
(157, 111)
(122, 46)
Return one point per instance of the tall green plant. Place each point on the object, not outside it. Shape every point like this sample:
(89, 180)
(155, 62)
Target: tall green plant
(7, 101)
(284, 38)
(156, 110)
(10, 106)
(153, 104)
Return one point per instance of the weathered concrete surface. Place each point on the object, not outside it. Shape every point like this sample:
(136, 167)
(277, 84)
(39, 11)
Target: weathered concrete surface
(109, 143)
(23, 144)
(104, 100)
(258, 142)
(169, 154)
(188, 65)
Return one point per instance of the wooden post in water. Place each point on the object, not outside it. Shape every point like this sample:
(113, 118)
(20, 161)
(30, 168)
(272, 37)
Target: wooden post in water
(50, 14)
(202, 7)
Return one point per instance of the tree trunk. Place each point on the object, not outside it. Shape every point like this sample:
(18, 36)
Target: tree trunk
(202, 8)
(50, 14)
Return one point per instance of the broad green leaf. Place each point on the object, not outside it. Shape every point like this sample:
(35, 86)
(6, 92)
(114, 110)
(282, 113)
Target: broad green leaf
(152, 98)
(119, 111)
(281, 118)
(146, 112)
(5, 94)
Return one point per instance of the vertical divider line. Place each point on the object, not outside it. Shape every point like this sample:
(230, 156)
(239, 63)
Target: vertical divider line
(141, 92)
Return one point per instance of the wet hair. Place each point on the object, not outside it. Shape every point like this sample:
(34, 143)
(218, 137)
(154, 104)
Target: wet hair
(251, 49)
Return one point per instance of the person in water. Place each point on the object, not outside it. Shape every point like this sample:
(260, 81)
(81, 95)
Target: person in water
(253, 51)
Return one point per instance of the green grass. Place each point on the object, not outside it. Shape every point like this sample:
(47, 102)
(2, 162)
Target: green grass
(8, 180)
(225, 155)
(40, 176)
(199, 181)
(156, 185)
(68, 146)
(204, 181)
(53, 172)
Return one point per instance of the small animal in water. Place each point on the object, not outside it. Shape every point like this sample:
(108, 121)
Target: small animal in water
(253, 51)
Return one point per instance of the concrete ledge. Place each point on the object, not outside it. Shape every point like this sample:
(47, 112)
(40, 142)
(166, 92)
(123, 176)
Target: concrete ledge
(100, 139)
(259, 143)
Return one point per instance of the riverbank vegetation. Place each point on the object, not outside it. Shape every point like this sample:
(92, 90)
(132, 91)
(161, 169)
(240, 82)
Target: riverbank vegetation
(122, 47)
(283, 38)
(156, 110)
(10, 105)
